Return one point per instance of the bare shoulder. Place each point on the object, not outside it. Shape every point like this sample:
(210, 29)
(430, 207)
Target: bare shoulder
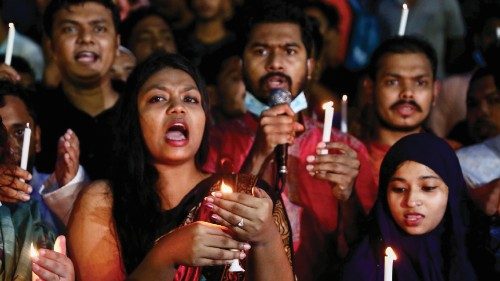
(95, 201)
(97, 193)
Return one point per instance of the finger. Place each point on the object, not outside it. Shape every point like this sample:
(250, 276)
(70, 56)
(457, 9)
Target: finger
(212, 229)
(7, 199)
(259, 193)
(229, 219)
(9, 73)
(15, 184)
(60, 245)
(342, 147)
(53, 262)
(16, 172)
(14, 194)
(43, 273)
(278, 120)
(341, 159)
(225, 243)
(215, 253)
(279, 110)
(333, 168)
(234, 197)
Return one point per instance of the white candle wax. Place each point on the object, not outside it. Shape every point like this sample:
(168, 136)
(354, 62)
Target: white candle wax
(390, 256)
(235, 264)
(327, 125)
(343, 122)
(404, 19)
(10, 44)
(26, 147)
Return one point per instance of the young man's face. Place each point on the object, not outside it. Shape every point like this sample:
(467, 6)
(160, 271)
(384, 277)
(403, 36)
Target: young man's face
(151, 34)
(404, 91)
(84, 42)
(483, 108)
(275, 57)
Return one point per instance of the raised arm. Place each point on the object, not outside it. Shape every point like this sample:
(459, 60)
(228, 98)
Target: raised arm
(92, 240)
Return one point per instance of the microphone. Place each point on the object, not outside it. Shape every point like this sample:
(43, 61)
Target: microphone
(276, 97)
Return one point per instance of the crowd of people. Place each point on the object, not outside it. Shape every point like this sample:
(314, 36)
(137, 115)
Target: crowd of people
(155, 152)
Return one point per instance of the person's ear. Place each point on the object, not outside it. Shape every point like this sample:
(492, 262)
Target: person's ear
(436, 90)
(368, 86)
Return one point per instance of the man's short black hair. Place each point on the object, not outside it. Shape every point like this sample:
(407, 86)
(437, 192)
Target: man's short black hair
(402, 45)
(329, 12)
(56, 5)
(8, 88)
(135, 17)
(279, 11)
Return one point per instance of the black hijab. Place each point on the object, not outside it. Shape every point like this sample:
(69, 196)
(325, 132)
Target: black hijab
(438, 255)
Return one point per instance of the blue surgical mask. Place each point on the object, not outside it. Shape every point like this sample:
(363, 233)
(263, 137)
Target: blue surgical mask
(256, 107)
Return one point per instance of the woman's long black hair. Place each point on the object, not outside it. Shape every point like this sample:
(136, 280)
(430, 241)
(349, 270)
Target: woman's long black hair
(136, 204)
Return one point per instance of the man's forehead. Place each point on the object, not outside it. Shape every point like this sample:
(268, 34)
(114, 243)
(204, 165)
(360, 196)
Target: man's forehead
(416, 63)
(87, 12)
(275, 33)
(13, 109)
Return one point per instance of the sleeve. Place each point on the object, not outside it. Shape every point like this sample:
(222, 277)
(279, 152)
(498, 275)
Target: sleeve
(60, 200)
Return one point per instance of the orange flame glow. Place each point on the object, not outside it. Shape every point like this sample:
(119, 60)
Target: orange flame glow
(224, 188)
(390, 253)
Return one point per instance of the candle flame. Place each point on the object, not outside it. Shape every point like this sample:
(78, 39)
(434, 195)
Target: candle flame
(33, 251)
(405, 6)
(27, 125)
(224, 188)
(344, 97)
(11, 25)
(390, 253)
(327, 104)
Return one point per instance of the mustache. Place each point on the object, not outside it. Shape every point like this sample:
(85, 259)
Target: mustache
(263, 79)
(406, 102)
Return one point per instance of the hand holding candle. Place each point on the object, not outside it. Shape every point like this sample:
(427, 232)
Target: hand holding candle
(10, 44)
(390, 256)
(235, 264)
(343, 122)
(404, 19)
(327, 125)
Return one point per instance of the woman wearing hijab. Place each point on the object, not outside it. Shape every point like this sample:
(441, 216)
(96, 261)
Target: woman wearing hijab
(417, 214)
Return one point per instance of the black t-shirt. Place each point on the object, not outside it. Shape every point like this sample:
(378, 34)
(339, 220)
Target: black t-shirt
(56, 114)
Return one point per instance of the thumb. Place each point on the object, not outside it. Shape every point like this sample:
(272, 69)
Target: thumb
(60, 245)
(259, 193)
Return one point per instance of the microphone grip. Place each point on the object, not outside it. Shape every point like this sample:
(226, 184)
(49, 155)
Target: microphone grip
(281, 157)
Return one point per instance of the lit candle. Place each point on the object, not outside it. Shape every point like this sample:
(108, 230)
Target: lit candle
(404, 18)
(10, 44)
(343, 122)
(327, 125)
(26, 147)
(33, 254)
(235, 264)
(390, 256)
